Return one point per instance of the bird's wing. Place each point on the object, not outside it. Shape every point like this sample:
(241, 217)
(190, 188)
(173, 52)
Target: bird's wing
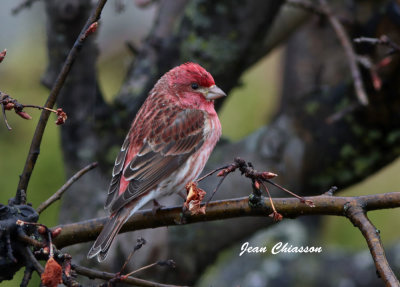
(163, 152)
(117, 172)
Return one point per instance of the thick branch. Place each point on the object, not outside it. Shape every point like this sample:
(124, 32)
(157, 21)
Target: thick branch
(352, 207)
(289, 207)
(359, 218)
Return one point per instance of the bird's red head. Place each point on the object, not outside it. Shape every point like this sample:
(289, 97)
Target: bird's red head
(192, 73)
(192, 84)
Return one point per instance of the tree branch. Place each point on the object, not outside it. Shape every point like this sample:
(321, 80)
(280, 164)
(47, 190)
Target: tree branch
(289, 207)
(57, 195)
(37, 138)
(32, 259)
(359, 218)
(22, 5)
(325, 10)
(383, 40)
(350, 54)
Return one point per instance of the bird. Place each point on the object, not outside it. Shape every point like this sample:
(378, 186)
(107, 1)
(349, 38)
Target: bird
(167, 146)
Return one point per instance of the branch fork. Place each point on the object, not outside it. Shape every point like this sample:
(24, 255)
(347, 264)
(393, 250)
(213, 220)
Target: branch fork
(195, 194)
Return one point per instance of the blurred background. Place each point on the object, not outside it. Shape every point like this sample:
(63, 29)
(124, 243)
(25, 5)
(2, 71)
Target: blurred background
(257, 98)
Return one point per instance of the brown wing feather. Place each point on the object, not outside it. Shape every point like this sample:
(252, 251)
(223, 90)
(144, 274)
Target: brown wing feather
(163, 152)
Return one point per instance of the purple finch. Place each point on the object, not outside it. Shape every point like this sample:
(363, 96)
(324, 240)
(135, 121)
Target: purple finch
(167, 146)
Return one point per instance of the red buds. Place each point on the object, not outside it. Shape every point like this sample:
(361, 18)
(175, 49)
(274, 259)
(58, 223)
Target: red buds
(24, 115)
(56, 232)
(268, 175)
(61, 117)
(92, 28)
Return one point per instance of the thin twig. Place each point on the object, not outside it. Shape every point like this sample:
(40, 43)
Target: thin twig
(269, 197)
(139, 243)
(40, 108)
(302, 199)
(21, 236)
(38, 267)
(359, 218)
(349, 51)
(141, 269)
(9, 103)
(57, 195)
(219, 183)
(58, 84)
(324, 10)
(169, 263)
(383, 40)
(22, 5)
(247, 169)
(342, 113)
(5, 117)
(210, 173)
(50, 243)
(216, 189)
(132, 48)
(90, 273)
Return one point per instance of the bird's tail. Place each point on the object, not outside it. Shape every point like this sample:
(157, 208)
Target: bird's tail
(107, 235)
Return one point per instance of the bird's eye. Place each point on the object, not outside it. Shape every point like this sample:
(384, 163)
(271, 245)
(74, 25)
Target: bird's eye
(195, 86)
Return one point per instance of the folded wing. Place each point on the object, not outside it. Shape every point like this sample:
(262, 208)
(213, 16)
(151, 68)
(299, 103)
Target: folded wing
(164, 151)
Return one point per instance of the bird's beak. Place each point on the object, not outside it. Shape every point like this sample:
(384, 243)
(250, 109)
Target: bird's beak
(214, 93)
